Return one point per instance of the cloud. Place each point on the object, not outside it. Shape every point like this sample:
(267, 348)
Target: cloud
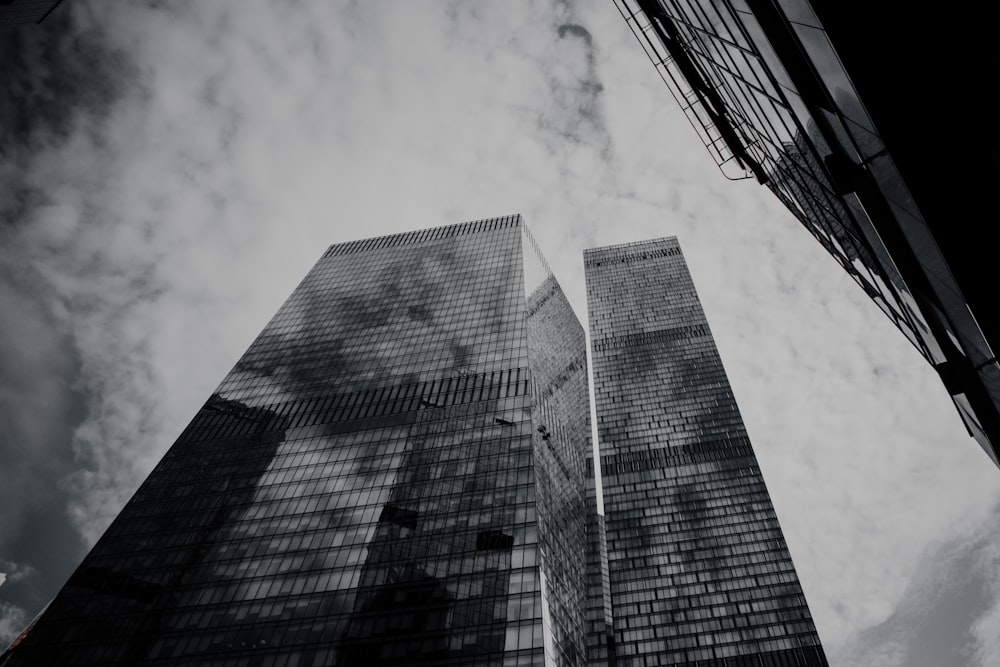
(576, 117)
(15, 571)
(60, 76)
(40, 406)
(13, 620)
(947, 614)
(984, 644)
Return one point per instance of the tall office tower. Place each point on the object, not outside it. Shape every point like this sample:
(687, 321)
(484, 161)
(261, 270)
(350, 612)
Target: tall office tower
(700, 573)
(830, 104)
(392, 474)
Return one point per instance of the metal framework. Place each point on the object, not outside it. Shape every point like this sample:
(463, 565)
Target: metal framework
(764, 89)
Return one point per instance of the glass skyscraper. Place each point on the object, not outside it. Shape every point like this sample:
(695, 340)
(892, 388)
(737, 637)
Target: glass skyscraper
(398, 471)
(698, 567)
(392, 474)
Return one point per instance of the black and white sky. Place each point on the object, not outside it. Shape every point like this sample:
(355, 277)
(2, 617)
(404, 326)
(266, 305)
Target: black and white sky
(170, 170)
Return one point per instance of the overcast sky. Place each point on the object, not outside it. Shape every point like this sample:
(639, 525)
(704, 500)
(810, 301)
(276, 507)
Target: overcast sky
(170, 171)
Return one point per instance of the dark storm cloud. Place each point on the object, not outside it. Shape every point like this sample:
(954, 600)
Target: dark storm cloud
(39, 410)
(61, 79)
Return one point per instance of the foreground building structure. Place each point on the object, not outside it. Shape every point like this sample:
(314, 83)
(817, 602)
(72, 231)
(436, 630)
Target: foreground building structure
(831, 104)
(392, 474)
(699, 571)
(399, 471)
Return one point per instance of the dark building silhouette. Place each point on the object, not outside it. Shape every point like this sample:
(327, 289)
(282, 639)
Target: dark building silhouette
(392, 474)
(873, 124)
(699, 571)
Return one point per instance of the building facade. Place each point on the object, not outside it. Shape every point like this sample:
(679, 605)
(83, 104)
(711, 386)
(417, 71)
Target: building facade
(827, 103)
(699, 570)
(392, 474)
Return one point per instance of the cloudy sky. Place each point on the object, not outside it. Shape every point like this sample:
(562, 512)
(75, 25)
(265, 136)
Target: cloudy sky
(171, 170)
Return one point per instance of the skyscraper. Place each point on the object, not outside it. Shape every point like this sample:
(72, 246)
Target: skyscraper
(698, 566)
(833, 106)
(392, 474)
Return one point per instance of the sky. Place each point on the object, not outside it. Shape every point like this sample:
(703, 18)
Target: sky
(172, 170)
